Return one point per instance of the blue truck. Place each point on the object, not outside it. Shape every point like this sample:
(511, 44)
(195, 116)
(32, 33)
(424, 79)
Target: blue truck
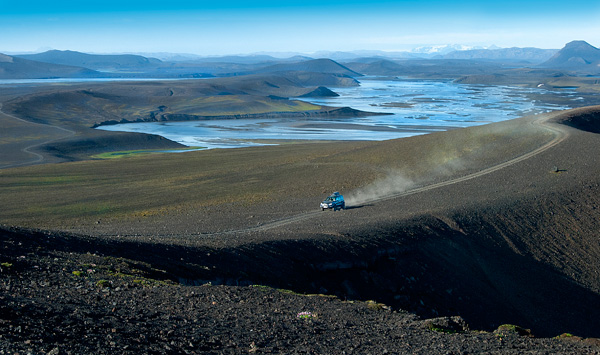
(334, 202)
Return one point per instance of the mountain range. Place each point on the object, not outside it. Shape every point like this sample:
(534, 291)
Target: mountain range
(19, 68)
(515, 54)
(102, 62)
(312, 66)
(575, 56)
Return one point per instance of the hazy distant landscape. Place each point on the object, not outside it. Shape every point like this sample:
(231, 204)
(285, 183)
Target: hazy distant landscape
(268, 87)
(469, 173)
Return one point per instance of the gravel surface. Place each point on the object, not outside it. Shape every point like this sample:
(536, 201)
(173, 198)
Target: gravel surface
(59, 297)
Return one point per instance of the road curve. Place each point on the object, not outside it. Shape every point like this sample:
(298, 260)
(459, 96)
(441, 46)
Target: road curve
(559, 136)
(37, 158)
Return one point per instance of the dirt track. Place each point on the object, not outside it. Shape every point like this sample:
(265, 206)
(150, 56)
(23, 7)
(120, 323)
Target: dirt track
(31, 136)
(560, 134)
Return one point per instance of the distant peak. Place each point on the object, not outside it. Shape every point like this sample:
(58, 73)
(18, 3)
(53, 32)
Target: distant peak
(575, 55)
(60, 51)
(5, 58)
(579, 45)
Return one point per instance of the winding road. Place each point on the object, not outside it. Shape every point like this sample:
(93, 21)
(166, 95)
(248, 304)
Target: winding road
(559, 135)
(37, 158)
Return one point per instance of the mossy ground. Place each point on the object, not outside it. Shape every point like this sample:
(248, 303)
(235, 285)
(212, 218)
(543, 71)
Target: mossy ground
(130, 153)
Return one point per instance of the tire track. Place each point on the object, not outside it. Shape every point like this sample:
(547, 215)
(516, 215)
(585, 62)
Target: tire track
(559, 136)
(37, 157)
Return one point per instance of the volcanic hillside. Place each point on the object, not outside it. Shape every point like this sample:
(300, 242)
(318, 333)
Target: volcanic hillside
(576, 55)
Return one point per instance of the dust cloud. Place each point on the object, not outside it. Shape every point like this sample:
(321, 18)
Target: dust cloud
(393, 183)
(447, 157)
(439, 166)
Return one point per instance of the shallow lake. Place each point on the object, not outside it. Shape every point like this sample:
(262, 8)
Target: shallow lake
(415, 107)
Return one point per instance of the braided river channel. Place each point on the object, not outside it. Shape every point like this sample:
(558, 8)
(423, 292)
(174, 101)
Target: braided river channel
(414, 107)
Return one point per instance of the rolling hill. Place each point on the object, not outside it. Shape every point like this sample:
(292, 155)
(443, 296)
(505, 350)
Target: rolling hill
(312, 66)
(18, 68)
(94, 61)
(374, 66)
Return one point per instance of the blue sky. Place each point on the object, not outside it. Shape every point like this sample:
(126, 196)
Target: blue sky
(234, 27)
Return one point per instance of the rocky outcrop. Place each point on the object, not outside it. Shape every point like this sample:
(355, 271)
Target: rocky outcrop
(321, 91)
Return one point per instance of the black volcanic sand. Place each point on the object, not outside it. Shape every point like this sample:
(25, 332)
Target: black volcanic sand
(69, 294)
(518, 246)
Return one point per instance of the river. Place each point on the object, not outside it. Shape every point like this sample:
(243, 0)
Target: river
(415, 107)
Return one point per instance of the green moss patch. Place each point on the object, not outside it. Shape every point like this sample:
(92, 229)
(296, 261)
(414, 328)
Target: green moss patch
(130, 153)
